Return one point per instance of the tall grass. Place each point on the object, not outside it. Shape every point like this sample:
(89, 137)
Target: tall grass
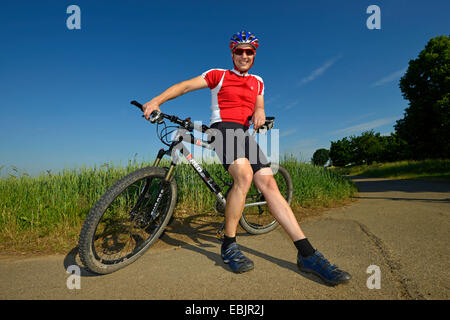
(316, 186)
(46, 212)
(436, 169)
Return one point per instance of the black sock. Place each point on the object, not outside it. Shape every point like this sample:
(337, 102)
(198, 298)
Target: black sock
(304, 248)
(227, 241)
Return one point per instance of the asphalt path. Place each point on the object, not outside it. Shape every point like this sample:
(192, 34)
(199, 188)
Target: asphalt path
(393, 239)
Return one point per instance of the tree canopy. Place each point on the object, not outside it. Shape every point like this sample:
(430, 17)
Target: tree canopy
(320, 157)
(426, 84)
(424, 130)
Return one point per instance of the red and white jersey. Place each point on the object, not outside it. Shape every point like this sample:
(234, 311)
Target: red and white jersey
(233, 95)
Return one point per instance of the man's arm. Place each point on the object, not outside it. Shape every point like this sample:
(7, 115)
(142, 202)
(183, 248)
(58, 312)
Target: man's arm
(259, 115)
(174, 92)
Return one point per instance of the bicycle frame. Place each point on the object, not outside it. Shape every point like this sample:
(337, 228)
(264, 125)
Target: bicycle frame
(180, 136)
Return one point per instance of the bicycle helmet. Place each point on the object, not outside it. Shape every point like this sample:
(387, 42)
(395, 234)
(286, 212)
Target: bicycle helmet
(244, 37)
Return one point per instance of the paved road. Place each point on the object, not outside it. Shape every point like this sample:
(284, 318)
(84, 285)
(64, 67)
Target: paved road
(401, 226)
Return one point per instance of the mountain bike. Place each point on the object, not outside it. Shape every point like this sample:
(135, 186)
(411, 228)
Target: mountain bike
(130, 217)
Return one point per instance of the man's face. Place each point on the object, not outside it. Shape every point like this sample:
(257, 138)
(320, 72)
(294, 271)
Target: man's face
(244, 61)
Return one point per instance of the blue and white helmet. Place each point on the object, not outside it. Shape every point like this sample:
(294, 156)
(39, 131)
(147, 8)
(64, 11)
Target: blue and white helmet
(244, 37)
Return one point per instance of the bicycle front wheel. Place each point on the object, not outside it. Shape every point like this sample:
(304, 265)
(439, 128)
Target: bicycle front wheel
(256, 217)
(127, 220)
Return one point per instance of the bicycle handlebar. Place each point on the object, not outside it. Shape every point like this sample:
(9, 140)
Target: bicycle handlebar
(157, 116)
(137, 104)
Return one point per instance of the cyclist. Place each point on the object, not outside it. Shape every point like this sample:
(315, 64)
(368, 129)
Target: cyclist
(236, 95)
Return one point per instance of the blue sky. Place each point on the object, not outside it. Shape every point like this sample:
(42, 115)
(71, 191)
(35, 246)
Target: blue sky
(64, 94)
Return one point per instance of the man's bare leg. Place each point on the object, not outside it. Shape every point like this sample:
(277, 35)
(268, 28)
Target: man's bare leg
(308, 259)
(242, 174)
(277, 204)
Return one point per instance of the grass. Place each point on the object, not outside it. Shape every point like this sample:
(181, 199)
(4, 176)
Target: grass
(45, 213)
(432, 169)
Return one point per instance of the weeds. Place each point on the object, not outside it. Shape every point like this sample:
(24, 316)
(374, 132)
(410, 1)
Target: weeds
(435, 169)
(46, 212)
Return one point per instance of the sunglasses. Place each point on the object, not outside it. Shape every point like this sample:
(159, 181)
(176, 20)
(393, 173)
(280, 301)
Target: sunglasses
(240, 52)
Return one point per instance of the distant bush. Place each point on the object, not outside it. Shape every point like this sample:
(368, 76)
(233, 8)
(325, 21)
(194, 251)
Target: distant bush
(367, 148)
(321, 157)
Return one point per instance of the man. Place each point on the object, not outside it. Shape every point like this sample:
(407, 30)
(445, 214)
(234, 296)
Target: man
(236, 95)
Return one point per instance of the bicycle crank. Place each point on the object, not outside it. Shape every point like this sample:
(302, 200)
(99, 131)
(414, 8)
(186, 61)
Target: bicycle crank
(220, 233)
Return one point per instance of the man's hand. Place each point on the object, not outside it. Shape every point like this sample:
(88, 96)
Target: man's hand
(259, 118)
(149, 107)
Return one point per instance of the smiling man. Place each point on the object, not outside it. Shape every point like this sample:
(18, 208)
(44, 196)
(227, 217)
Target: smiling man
(237, 96)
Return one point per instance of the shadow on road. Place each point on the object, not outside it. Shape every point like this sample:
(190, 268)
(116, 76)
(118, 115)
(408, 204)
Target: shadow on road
(196, 236)
(365, 184)
(447, 200)
(204, 235)
(71, 259)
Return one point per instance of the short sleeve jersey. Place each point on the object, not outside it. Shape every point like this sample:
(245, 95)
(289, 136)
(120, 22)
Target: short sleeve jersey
(233, 95)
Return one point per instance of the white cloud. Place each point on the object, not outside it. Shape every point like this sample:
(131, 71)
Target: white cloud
(272, 99)
(285, 133)
(318, 72)
(389, 78)
(365, 126)
(358, 118)
(305, 143)
(291, 105)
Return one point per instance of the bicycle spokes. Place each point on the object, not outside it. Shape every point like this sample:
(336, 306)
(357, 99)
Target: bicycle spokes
(132, 218)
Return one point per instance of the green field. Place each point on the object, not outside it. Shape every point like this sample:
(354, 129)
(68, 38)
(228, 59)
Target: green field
(435, 169)
(45, 213)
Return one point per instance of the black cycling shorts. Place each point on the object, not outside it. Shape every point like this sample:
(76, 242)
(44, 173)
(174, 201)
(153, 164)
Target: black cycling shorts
(233, 141)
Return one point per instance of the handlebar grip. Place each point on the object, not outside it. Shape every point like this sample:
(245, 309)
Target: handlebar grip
(137, 104)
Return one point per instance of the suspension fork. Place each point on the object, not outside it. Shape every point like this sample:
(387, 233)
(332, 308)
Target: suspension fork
(153, 213)
(166, 183)
(161, 154)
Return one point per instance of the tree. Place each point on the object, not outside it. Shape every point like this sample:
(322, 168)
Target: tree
(367, 147)
(426, 84)
(341, 152)
(320, 157)
(394, 148)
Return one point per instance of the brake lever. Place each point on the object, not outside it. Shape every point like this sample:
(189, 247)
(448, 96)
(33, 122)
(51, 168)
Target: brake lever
(157, 118)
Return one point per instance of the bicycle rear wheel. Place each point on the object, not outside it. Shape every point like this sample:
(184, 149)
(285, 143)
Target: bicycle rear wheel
(127, 220)
(256, 217)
